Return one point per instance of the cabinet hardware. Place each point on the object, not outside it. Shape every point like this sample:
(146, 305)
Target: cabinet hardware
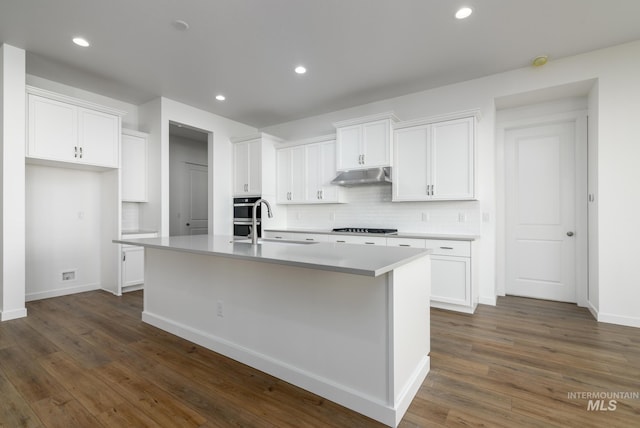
(75, 152)
(80, 152)
(309, 239)
(370, 243)
(363, 160)
(446, 248)
(341, 241)
(124, 256)
(405, 245)
(569, 233)
(321, 194)
(278, 237)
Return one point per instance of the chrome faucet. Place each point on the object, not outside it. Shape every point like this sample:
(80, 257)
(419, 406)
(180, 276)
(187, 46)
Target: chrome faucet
(254, 221)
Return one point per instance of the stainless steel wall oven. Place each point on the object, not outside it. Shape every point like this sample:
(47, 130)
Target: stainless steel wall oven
(242, 213)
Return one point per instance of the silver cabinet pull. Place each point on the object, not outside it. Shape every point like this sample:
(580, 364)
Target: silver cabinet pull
(309, 239)
(341, 241)
(569, 233)
(124, 256)
(80, 152)
(278, 237)
(75, 152)
(446, 248)
(321, 194)
(370, 243)
(405, 245)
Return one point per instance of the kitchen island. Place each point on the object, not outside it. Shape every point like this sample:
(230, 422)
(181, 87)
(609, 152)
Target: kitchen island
(347, 322)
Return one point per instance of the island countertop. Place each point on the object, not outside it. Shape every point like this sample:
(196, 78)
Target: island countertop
(354, 259)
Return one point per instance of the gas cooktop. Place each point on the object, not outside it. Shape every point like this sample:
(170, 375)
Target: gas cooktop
(365, 230)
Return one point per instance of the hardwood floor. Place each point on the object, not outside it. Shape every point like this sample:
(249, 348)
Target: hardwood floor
(87, 360)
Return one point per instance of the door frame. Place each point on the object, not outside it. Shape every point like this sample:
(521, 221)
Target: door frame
(580, 119)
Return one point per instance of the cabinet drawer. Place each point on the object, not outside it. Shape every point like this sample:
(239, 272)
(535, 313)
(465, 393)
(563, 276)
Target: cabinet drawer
(449, 248)
(406, 242)
(296, 236)
(365, 240)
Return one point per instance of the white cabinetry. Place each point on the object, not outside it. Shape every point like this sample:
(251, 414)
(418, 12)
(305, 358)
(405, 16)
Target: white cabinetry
(132, 257)
(296, 236)
(304, 174)
(134, 166)
(291, 182)
(355, 239)
(64, 129)
(434, 161)
(247, 163)
(365, 142)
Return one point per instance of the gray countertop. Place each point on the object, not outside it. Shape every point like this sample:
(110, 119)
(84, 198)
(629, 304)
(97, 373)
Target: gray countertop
(449, 236)
(354, 259)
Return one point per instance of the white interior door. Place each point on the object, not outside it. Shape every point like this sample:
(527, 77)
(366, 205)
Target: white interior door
(196, 195)
(540, 203)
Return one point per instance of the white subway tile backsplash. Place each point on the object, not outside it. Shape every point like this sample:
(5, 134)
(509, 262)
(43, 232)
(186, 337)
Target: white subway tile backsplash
(130, 216)
(371, 206)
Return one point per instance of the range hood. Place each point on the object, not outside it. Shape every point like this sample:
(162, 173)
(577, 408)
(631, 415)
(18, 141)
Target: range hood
(358, 177)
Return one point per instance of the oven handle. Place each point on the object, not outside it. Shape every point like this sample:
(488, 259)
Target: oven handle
(243, 205)
(243, 222)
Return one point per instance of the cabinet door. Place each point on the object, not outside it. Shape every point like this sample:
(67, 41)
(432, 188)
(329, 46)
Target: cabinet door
(241, 169)
(134, 168)
(349, 147)
(451, 280)
(452, 146)
(132, 266)
(314, 166)
(99, 138)
(53, 129)
(328, 192)
(255, 168)
(291, 175)
(411, 164)
(376, 141)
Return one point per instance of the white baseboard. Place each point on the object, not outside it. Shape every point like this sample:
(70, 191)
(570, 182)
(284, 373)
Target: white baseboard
(620, 320)
(488, 300)
(327, 388)
(60, 292)
(592, 309)
(13, 314)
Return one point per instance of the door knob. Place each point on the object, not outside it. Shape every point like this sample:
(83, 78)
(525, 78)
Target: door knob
(569, 233)
(189, 224)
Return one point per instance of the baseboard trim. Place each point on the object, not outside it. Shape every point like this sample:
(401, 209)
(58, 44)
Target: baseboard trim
(29, 297)
(13, 314)
(327, 388)
(592, 309)
(617, 319)
(491, 301)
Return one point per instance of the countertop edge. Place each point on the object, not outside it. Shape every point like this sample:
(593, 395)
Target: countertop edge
(330, 268)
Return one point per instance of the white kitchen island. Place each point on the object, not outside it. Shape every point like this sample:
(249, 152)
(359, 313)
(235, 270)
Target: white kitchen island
(347, 322)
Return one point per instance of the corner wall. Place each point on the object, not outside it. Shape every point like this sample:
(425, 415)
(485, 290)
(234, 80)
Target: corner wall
(12, 182)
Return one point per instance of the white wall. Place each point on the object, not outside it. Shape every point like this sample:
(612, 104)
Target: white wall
(12, 182)
(63, 230)
(181, 150)
(617, 70)
(220, 161)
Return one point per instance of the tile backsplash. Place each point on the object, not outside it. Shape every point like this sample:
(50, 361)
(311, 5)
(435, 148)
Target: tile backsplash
(371, 206)
(130, 216)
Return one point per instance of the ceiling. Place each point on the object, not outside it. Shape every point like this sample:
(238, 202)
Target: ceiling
(356, 51)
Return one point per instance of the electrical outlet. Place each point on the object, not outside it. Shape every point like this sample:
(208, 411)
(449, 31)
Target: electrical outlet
(69, 275)
(462, 217)
(426, 217)
(219, 309)
(486, 217)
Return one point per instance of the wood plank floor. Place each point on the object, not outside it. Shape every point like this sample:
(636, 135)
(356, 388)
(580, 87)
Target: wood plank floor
(87, 360)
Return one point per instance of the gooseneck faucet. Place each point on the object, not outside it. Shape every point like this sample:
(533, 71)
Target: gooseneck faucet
(254, 221)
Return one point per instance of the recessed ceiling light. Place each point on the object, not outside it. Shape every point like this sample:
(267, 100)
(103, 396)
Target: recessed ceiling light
(180, 25)
(220, 97)
(464, 12)
(80, 41)
(300, 69)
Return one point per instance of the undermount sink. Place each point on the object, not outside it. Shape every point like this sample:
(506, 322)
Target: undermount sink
(275, 241)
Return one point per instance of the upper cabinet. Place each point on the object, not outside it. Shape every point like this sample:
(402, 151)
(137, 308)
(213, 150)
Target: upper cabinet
(64, 129)
(305, 172)
(365, 142)
(134, 166)
(254, 172)
(434, 161)
(247, 163)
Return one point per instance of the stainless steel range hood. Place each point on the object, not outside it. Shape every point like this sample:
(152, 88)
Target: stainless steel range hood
(360, 177)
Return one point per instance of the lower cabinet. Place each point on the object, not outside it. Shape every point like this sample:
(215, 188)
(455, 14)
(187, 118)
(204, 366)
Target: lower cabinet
(132, 266)
(451, 267)
(132, 260)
